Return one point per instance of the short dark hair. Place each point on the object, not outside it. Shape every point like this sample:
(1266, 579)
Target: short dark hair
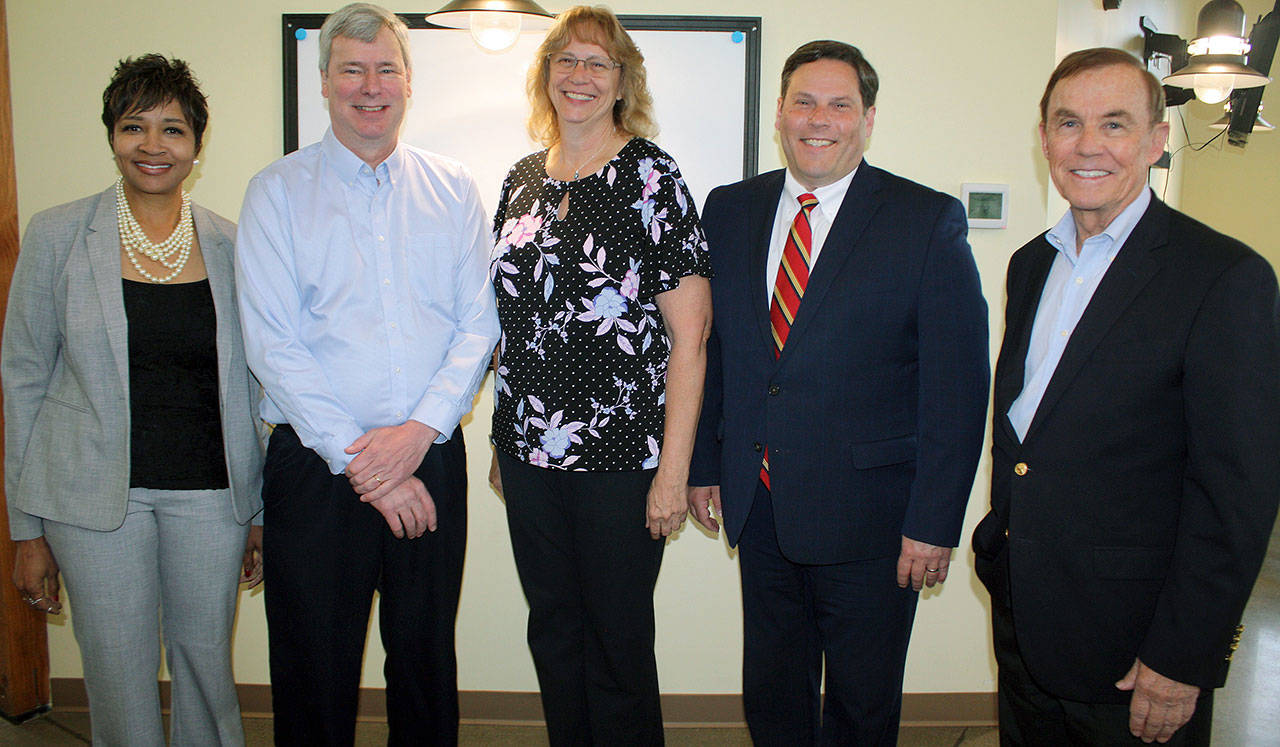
(868, 81)
(1099, 57)
(143, 83)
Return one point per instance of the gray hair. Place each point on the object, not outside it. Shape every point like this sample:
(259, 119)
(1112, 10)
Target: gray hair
(363, 22)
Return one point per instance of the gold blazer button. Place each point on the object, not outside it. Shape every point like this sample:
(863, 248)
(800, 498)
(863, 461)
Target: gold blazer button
(1020, 469)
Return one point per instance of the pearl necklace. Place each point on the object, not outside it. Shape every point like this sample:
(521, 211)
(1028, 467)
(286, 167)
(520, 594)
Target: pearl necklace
(135, 240)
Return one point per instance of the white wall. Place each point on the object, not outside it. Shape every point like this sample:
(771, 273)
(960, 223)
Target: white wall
(960, 85)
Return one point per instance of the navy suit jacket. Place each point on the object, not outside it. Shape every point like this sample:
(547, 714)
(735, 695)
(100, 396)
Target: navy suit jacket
(1137, 510)
(874, 415)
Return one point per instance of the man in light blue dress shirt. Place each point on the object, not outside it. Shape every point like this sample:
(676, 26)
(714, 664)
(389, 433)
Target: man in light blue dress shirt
(362, 267)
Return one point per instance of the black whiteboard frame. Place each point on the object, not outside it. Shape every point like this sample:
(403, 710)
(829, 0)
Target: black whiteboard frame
(748, 25)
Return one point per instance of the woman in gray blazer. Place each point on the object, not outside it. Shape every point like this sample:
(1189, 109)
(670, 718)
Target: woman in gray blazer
(132, 456)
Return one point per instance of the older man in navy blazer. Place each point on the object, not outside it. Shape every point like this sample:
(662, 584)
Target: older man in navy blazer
(844, 410)
(1137, 426)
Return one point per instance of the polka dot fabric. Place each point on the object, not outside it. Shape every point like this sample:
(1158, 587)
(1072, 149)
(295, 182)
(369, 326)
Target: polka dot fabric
(583, 357)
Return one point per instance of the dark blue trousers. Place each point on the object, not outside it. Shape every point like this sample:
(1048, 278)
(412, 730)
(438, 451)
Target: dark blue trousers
(324, 554)
(850, 616)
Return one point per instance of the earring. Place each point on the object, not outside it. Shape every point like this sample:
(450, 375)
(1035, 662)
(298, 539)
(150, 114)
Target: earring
(196, 162)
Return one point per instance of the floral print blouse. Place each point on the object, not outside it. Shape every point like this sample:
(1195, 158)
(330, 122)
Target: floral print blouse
(581, 379)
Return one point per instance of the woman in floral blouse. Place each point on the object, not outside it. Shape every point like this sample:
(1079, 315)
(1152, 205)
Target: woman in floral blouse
(601, 273)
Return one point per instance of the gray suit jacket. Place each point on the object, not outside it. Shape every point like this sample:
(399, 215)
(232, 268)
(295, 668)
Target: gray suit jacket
(64, 364)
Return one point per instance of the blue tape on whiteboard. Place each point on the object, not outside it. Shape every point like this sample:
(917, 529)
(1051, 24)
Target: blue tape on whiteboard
(737, 37)
(300, 34)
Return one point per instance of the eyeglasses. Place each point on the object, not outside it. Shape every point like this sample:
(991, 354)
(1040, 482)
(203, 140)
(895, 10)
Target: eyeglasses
(596, 67)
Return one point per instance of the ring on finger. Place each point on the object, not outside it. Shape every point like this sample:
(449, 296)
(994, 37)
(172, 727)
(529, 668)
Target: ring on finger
(931, 570)
(379, 479)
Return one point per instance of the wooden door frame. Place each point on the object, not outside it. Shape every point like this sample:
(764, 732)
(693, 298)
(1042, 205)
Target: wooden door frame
(24, 645)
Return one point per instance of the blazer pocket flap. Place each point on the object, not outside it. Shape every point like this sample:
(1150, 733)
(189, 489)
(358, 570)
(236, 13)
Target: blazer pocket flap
(869, 454)
(1130, 562)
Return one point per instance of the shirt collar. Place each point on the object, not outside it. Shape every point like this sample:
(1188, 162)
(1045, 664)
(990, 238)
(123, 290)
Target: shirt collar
(1063, 235)
(830, 196)
(350, 167)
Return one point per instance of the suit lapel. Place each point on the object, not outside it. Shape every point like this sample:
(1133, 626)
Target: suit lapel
(1130, 271)
(217, 251)
(103, 245)
(1025, 298)
(764, 207)
(861, 202)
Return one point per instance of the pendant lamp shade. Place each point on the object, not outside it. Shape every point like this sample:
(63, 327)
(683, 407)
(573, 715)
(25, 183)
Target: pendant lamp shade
(1217, 64)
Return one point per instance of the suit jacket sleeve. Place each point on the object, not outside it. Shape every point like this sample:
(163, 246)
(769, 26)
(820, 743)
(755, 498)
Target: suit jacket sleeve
(1231, 390)
(704, 467)
(954, 375)
(30, 349)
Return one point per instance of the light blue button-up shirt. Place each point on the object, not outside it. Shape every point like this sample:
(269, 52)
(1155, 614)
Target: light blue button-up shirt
(364, 293)
(1067, 291)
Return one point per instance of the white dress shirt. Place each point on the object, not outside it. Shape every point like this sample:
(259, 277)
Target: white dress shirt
(1067, 291)
(364, 293)
(829, 197)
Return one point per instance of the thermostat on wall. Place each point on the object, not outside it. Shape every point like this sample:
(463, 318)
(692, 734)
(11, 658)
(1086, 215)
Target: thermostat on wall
(987, 205)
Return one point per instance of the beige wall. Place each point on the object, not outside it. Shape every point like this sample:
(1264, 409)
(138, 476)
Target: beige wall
(957, 105)
(1235, 190)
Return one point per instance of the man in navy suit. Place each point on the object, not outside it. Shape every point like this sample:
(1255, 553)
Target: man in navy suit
(859, 373)
(1137, 427)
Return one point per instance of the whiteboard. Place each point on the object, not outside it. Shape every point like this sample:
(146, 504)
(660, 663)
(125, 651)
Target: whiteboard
(469, 104)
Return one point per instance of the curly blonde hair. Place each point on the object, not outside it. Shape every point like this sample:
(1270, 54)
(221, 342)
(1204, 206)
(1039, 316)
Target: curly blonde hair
(633, 114)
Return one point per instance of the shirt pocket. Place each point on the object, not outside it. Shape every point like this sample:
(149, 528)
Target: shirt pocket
(428, 261)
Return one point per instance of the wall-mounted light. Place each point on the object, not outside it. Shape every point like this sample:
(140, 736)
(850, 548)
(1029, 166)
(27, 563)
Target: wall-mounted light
(1217, 55)
(495, 24)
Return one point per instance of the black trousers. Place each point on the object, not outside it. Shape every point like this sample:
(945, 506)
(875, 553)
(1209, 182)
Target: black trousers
(588, 568)
(850, 616)
(1031, 717)
(324, 554)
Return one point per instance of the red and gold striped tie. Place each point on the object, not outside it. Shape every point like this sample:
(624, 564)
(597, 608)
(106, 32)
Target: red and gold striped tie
(788, 288)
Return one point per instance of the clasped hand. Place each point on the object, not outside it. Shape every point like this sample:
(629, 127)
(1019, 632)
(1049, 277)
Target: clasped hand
(382, 475)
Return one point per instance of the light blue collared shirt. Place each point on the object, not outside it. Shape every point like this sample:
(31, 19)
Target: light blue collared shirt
(1067, 291)
(364, 293)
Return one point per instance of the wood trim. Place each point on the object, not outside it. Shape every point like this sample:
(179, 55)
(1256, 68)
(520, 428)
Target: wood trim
(523, 708)
(24, 666)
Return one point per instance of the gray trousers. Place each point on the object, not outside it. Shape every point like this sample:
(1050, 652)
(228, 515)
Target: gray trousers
(178, 552)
